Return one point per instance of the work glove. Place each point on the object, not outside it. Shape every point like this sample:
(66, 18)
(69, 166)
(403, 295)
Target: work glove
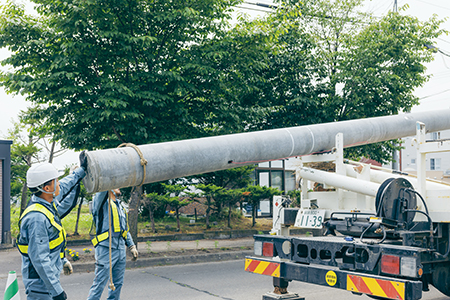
(62, 296)
(83, 160)
(67, 268)
(134, 252)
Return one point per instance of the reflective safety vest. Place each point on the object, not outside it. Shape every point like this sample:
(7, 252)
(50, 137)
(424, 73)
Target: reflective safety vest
(115, 226)
(58, 242)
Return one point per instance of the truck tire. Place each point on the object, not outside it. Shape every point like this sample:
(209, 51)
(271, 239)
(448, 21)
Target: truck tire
(441, 278)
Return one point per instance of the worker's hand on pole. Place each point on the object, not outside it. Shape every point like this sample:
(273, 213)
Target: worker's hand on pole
(83, 160)
(67, 268)
(134, 252)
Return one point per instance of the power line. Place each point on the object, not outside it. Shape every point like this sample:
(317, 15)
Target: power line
(266, 5)
(253, 9)
(434, 4)
(432, 95)
(443, 40)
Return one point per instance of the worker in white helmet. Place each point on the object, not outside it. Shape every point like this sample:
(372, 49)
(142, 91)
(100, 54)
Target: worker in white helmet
(107, 206)
(42, 239)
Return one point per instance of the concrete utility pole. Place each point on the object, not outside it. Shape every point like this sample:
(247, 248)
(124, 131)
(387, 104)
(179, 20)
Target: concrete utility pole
(121, 167)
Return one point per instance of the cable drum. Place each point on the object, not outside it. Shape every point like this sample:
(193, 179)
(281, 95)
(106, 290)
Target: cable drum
(393, 199)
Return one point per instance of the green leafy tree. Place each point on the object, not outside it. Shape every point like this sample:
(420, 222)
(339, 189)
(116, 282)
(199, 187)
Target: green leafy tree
(31, 144)
(255, 193)
(361, 66)
(104, 73)
(228, 179)
(24, 152)
(209, 192)
(153, 201)
(229, 197)
(175, 200)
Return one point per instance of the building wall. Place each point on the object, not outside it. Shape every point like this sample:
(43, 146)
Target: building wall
(1, 199)
(5, 191)
(439, 162)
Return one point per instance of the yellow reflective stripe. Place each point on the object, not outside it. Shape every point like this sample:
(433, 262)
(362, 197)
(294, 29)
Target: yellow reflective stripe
(100, 238)
(58, 241)
(51, 217)
(116, 222)
(23, 248)
(41, 208)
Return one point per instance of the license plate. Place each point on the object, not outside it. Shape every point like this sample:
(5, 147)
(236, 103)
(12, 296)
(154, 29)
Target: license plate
(310, 218)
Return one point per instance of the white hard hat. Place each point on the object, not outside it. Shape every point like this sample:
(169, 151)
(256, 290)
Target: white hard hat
(40, 174)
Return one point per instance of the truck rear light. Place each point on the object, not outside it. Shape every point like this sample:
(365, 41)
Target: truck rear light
(257, 249)
(408, 266)
(268, 249)
(390, 264)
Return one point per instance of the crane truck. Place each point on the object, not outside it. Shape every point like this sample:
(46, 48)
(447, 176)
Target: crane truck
(386, 234)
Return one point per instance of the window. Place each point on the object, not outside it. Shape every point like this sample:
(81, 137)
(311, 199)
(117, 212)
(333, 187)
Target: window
(435, 164)
(277, 179)
(413, 161)
(290, 180)
(435, 135)
(264, 178)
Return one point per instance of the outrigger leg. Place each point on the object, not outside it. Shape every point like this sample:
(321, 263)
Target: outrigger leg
(280, 291)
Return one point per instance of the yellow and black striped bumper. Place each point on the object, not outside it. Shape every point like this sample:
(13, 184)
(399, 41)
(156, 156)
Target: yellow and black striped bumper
(381, 286)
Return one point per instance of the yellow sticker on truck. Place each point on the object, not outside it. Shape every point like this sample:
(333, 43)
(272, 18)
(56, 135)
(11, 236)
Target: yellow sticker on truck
(331, 278)
(262, 267)
(376, 287)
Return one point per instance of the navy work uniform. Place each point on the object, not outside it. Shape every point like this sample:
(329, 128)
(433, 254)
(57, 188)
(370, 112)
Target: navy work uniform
(121, 239)
(42, 239)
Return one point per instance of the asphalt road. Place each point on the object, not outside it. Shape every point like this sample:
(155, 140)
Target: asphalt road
(203, 281)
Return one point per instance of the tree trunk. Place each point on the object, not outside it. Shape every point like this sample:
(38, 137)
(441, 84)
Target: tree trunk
(178, 218)
(208, 209)
(219, 208)
(52, 151)
(229, 214)
(23, 199)
(78, 217)
(152, 218)
(253, 215)
(135, 200)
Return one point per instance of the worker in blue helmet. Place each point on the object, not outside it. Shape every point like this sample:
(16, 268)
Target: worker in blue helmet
(111, 235)
(42, 238)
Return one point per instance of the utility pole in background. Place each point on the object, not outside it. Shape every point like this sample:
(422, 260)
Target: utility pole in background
(395, 8)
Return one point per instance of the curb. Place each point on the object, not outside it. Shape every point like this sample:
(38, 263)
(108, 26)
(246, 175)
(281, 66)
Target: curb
(173, 260)
(209, 235)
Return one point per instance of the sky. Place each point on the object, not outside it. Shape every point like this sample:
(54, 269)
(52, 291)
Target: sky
(435, 94)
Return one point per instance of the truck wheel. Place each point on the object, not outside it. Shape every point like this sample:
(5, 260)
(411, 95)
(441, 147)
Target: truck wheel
(441, 278)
